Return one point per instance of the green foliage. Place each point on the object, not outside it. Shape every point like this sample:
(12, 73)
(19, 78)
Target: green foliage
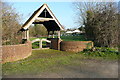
(89, 45)
(10, 25)
(35, 45)
(38, 30)
(101, 23)
(103, 52)
(39, 38)
(82, 28)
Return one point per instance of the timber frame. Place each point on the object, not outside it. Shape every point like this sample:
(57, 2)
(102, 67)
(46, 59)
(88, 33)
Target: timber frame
(44, 16)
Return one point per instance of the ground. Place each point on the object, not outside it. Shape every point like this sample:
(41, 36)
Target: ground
(58, 64)
(50, 63)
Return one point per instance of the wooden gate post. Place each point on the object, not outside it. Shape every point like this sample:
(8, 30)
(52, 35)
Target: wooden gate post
(59, 34)
(40, 44)
(27, 35)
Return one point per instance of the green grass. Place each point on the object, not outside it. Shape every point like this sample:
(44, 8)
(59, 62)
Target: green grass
(67, 38)
(44, 60)
(73, 38)
(36, 45)
(103, 52)
(39, 61)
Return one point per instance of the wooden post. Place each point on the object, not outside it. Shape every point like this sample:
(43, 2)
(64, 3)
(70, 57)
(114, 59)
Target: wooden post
(59, 34)
(52, 34)
(48, 33)
(40, 44)
(27, 35)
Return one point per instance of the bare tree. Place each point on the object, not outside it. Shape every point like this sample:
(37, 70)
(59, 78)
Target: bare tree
(10, 25)
(100, 20)
(119, 24)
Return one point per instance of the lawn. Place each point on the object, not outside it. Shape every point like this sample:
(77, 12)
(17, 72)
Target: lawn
(39, 61)
(73, 38)
(67, 38)
(36, 45)
(44, 60)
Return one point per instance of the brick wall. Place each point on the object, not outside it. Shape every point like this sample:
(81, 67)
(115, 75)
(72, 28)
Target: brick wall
(16, 52)
(55, 43)
(75, 46)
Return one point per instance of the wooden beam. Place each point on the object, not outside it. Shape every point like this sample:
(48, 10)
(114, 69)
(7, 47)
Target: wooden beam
(36, 22)
(27, 35)
(59, 34)
(33, 17)
(40, 19)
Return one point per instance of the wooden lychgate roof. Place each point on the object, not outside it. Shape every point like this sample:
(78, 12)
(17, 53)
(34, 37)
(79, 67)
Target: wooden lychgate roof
(44, 16)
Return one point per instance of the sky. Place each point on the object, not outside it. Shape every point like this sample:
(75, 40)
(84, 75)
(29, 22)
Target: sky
(64, 11)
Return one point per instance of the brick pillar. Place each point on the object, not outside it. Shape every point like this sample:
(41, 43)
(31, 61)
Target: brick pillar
(55, 43)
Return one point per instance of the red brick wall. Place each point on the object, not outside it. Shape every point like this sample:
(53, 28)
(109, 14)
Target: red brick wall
(74, 46)
(55, 43)
(16, 52)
